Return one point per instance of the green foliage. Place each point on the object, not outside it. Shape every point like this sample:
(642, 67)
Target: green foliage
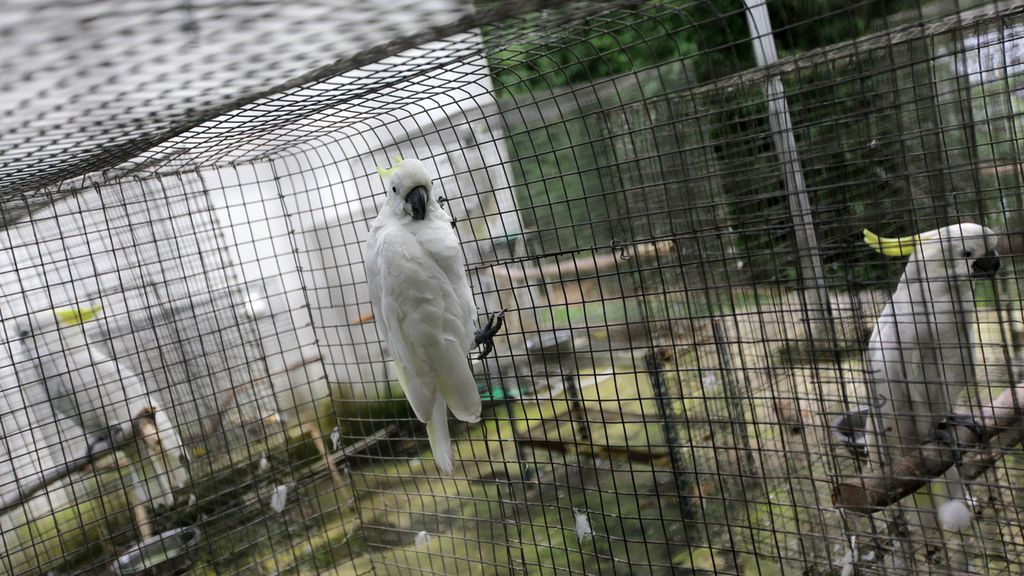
(722, 38)
(579, 186)
(712, 33)
(590, 49)
(559, 187)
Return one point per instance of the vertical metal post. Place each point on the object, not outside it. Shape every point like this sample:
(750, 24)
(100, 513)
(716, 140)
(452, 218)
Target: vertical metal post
(813, 292)
(655, 363)
(781, 125)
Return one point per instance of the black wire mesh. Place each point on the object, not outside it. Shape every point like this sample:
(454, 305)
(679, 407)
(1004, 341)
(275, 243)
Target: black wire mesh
(671, 216)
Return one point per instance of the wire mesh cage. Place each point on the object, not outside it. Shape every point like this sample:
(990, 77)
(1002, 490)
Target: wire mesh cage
(706, 363)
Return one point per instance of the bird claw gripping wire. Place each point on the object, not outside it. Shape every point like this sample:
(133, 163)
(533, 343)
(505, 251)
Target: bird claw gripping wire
(441, 200)
(485, 335)
(943, 433)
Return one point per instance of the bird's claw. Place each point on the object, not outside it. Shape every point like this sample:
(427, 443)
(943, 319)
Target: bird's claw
(943, 433)
(968, 421)
(485, 336)
(441, 200)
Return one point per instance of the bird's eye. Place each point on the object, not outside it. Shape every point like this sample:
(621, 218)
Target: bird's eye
(968, 254)
(394, 189)
(23, 334)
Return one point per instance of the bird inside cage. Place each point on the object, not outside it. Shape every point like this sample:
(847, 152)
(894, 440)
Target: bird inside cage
(423, 304)
(920, 360)
(98, 393)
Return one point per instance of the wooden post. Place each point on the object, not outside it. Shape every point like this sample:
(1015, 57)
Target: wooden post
(735, 397)
(655, 361)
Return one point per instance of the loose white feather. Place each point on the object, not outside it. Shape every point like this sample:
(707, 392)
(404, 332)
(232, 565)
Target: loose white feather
(279, 498)
(584, 531)
(955, 515)
(336, 439)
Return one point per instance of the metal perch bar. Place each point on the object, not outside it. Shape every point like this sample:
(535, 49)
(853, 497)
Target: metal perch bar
(120, 436)
(869, 494)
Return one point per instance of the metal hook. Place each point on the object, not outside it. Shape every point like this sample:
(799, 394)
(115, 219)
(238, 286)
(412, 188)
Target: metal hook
(616, 244)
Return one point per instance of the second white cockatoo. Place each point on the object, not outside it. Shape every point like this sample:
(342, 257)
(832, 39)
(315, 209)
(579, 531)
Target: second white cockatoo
(423, 304)
(98, 393)
(920, 355)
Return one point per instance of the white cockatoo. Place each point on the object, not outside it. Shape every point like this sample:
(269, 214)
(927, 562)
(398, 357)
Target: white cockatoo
(95, 391)
(423, 304)
(920, 356)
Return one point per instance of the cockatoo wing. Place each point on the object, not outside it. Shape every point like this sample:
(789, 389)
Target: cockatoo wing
(424, 320)
(442, 245)
(106, 394)
(124, 398)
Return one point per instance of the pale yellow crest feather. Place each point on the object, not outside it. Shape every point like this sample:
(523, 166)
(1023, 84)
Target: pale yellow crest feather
(386, 173)
(902, 246)
(75, 316)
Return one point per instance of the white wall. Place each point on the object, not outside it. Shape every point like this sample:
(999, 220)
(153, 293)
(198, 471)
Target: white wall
(304, 217)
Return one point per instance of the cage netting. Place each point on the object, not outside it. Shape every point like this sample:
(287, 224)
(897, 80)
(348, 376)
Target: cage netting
(704, 367)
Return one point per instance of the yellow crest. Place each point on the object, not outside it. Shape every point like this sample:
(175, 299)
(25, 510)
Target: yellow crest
(386, 173)
(902, 246)
(75, 316)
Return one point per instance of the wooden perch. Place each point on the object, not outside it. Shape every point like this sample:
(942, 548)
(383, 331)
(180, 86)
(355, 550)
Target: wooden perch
(869, 494)
(119, 437)
(362, 318)
(586, 266)
(976, 463)
(218, 421)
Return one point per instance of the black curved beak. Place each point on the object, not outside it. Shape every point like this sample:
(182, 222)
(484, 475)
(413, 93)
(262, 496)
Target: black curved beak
(986, 266)
(417, 201)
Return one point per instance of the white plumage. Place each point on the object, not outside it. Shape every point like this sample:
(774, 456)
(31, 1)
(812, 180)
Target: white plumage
(96, 392)
(423, 304)
(920, 355)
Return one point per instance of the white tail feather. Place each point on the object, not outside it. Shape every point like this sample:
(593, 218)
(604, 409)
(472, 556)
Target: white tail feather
(440, 440)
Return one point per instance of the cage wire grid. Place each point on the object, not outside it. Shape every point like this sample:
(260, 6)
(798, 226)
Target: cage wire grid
(666, 197)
